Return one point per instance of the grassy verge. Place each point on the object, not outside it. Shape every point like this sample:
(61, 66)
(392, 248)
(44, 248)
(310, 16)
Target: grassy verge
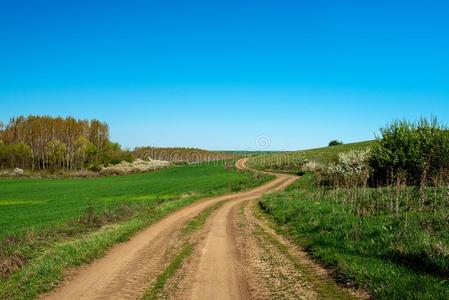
(189, 228)
(396, 248)
(326, 289)
(48, 225)
(45, 271)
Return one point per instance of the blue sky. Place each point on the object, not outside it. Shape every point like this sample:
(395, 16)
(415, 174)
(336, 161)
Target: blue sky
(219, 74)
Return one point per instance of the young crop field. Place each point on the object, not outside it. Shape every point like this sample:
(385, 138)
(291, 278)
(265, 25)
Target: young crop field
(47, 225)
(30, 204)
(291, 161)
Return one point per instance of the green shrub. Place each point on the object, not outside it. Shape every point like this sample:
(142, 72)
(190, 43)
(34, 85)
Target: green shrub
(352, 168)
(335, 143)
(416, 153)
(14, 155)
(114, 154)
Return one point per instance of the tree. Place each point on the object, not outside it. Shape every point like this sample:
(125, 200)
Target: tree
(57, 152)
(335, 143)
(51, 143)
(13, 156)
(82, 147)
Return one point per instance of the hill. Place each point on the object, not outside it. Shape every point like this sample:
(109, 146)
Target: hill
(291, 161)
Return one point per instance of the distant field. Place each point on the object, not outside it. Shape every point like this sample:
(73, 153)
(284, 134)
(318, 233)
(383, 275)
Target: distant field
(290, 161)
(250, 153)
(327, 154)
(190, 155)
(27, 204)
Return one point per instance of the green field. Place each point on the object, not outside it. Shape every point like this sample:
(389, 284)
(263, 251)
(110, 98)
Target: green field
(48, 225)
(33, 203)
(291, 161)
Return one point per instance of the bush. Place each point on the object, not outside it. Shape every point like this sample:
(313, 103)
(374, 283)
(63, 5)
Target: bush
(114, 154)
(14, 155)
(416, 153)
(335, 143)
(352, 168)
(313, 166)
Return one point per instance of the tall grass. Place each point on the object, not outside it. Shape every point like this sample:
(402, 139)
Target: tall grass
(393, 241)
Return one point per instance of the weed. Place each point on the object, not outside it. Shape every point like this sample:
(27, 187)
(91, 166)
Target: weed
(382, 239)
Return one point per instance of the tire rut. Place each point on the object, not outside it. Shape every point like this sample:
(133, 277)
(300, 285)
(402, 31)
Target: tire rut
(216, 270)
(130, 267)
(239, 257)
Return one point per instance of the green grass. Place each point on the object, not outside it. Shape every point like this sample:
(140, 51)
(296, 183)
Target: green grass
(327, 154)
(48, 225)
(394, 253)
(45, 270)
(326, 289)
(169, 272)
(392, 241)
(29, 204)
(291, 161)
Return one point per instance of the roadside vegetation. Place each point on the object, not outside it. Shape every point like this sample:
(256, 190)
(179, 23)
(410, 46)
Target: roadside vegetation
(378, 216)
(49, 225)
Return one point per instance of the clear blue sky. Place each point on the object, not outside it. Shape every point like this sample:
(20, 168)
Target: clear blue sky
(218, 74)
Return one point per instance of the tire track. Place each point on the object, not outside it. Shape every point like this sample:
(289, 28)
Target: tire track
(128, 268)
(217, 272)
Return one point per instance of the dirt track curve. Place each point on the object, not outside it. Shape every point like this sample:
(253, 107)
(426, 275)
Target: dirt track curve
(218, 269)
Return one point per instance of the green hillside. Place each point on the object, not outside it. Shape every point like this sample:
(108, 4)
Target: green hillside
(291, 161)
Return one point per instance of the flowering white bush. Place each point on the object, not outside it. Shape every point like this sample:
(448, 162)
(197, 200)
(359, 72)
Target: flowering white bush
(352, 167)
(138, 165)
(313, 166)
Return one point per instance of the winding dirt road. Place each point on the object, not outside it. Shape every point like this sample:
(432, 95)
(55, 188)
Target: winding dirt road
(221, 267)
(220, 274)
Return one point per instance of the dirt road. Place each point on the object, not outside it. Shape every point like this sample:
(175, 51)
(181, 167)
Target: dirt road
(221, 267)
(220, 273)
(128, 268)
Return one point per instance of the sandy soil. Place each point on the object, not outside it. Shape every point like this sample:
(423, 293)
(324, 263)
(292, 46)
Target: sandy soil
(217, 271)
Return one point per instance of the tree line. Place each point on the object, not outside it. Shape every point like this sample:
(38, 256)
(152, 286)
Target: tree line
(48, 143)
